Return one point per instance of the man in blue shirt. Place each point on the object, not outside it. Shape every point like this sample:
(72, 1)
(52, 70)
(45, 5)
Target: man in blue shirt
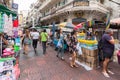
(108, 50)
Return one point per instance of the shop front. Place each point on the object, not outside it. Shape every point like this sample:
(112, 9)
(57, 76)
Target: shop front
(9, 49)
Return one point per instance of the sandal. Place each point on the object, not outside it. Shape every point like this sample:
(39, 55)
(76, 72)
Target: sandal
(106, 74)
(75, 66)
(110, 72)
(71, 66)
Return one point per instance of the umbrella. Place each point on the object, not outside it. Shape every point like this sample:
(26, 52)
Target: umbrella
(79, 26)
(66, 24)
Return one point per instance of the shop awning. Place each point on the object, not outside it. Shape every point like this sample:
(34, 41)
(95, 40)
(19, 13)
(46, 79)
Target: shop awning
(115, 21)
(4, 9)
(66, 24)
(45, 27)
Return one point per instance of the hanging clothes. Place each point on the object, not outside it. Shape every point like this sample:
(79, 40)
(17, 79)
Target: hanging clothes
(15, 23)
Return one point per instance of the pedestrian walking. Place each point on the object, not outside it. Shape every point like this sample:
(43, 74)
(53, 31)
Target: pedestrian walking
(26, 41)
(44, 39)
(35, 38)
(60, 45)
(108, 50)
(73, 46)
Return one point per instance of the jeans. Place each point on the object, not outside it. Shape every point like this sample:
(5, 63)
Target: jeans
(35, 41)
(60, 51)
(44, 47)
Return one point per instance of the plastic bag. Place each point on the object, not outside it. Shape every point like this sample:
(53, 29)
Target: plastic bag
(78, 47)
(59, 44)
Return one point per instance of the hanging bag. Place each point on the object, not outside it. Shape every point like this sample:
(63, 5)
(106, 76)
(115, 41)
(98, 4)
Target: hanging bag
(118, 55)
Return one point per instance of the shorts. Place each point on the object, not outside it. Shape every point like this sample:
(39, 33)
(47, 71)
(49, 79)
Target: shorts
(108, 54)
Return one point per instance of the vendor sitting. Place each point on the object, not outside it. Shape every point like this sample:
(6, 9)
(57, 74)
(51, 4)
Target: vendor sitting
(3, 43)
(91, 36)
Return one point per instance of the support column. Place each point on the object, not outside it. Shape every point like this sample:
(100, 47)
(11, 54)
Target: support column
(70, 17)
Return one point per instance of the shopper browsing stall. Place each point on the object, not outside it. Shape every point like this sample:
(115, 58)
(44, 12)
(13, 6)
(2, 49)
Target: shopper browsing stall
(3, 43)
(73, 45)
(60, 45)
(108, 50)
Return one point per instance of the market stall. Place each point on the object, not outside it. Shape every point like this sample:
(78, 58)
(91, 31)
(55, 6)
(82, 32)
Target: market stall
(88, 41)
(9, 52)
(67, 28)
(115, 24)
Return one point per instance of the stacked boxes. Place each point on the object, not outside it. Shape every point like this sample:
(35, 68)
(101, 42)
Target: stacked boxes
(89, 57)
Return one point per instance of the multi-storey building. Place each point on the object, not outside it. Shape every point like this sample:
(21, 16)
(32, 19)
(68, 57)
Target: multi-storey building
(7, 3)
(115, 4)
(33, 17)
(74, 11)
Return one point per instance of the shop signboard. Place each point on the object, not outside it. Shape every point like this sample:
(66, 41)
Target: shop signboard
(80, 3)
(1, 22)
(6, 69)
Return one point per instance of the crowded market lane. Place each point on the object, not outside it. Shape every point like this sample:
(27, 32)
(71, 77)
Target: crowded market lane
(49, 67)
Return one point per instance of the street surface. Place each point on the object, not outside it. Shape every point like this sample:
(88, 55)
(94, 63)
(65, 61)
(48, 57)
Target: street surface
(49, 67)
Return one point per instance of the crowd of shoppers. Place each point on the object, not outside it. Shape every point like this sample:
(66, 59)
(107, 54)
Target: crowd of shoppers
(71, 42)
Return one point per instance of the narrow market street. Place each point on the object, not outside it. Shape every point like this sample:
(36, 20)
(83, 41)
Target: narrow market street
(49, 67)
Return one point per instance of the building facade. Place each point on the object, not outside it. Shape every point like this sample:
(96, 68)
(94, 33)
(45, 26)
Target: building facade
(23, 18)
(74, 11)
(34, 15)
(47, 12)
(7, 3)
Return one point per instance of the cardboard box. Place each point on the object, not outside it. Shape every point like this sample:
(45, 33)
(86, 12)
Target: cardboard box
(94, 66)
(91, 59)
(88, 64)
(93, 53)
(87, 52)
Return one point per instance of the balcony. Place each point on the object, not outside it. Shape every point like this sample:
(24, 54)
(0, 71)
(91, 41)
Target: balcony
(44, 4)
(89, 6)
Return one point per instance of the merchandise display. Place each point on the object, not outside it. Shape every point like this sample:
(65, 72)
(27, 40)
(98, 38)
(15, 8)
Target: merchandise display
(9, 67)
(88, 53)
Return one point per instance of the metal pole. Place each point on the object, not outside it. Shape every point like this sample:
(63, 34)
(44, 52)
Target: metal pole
(1, 46)
(33, 23)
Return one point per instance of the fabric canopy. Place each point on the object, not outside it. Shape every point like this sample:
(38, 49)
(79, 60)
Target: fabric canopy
(115, 21)
(4, 9)
(66, 24)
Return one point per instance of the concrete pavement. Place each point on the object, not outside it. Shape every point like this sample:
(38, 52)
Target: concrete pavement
(49, 67)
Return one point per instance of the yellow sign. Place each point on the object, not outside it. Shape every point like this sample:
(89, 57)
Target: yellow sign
(81, 3)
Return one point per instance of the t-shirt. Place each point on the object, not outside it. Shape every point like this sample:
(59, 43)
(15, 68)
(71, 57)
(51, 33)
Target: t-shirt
(107, 46)
(44, 36)
(35, 35)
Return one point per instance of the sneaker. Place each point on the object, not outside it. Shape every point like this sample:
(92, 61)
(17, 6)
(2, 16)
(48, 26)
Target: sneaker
(62, 58)
(106, 74)
(110, 72)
